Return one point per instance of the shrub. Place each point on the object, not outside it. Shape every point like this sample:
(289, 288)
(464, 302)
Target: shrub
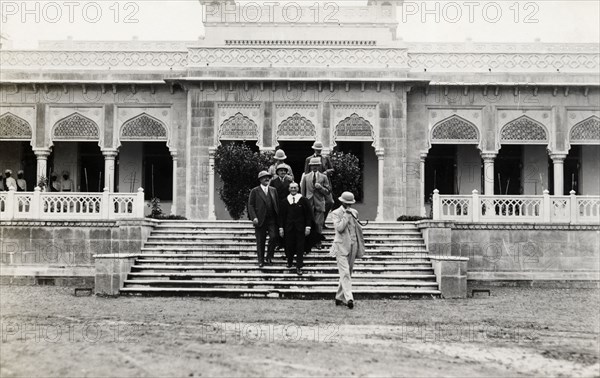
(155, 210)
(238, 167)
(347, 175)
(410, 218)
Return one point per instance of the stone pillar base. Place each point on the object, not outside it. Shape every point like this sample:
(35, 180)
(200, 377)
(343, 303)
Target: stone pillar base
(451, 275)
(111, 272)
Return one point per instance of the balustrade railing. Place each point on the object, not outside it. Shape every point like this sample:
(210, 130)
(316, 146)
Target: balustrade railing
(40, 205)
(525, 209)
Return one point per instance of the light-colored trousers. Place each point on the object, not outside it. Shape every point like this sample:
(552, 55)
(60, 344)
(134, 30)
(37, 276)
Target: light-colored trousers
(345, 266)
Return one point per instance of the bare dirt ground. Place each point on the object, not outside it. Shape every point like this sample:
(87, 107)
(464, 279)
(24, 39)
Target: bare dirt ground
(48, 332)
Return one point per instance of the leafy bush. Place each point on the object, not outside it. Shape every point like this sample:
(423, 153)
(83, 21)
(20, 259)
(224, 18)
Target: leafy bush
(347, 175)
(410, 218)
(155, 210)
(157, 213)
(238, 167)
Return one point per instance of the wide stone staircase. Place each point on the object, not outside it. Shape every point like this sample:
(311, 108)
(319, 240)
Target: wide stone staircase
(207, 258)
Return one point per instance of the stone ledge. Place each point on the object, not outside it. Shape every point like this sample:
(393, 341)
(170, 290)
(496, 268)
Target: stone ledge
(57, 271)
(427, 223)
(528, 276)
(523, 226)
(448, 258)
(70, 223)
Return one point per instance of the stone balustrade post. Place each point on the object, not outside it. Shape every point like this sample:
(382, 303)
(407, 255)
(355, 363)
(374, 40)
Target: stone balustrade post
(475, 207)
(436, 205)
(105, 208)
(546, 206)
(35, 208)
(574, 208)
(139, 203)
(10, 204)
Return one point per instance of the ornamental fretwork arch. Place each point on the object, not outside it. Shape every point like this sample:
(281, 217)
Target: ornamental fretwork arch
(354, 128)
(586, 131)
(14, 128)
(523, 130)
(296, 127)
(144, 128)
(76, 128)
(238, 127)
(455, 130)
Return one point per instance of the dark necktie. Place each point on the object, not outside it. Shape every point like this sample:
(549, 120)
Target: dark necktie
(314, 178)
(294, 200)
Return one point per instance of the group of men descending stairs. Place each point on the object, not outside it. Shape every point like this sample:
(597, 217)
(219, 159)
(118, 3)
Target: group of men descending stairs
(218, 258)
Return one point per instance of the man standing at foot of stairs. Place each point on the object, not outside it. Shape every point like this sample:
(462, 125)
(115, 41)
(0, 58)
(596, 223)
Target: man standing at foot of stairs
(348, 244)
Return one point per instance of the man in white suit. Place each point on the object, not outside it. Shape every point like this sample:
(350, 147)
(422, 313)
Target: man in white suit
(348, 244)
(315, 187)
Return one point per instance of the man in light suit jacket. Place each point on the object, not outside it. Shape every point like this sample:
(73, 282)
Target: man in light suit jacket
(348, 244)
(326, 167)
(263, 209)
(315, 187)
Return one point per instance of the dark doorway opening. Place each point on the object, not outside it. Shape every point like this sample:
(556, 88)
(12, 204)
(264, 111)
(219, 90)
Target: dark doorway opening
(296, 153)
(29, 166)
(440, 170)
(572, 168)
(508, 168)
(91, 167)
(158, 171)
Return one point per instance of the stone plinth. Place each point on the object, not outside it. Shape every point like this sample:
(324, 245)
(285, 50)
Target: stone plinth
(451, 275)
(111, 272)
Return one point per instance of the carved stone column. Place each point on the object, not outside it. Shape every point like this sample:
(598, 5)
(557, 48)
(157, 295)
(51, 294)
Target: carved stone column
(422, 157)
(211, 184)
(174, 200)
(109, 169)
(42, 164)
(488, 172)
(559, 165)
(380, 152)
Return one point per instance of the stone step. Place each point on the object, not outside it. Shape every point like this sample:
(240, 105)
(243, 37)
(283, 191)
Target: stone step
(308, 262)
(286, 275)
(226, 243)
(273, 284)
(250, 231)
(252, 255)
(245, 222)
(252, 251)
(275, 268)
(285, 293)
(248, 226)
(252, 238)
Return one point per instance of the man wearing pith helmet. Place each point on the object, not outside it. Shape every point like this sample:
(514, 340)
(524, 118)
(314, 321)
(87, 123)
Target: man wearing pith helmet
(315, 187)
(280, 159)
(348, 244)
(263, 209)
(326, 167)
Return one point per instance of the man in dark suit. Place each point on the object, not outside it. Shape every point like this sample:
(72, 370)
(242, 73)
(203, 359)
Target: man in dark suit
(295, 218)
(263, 209)
(326, 167)
(282, 182)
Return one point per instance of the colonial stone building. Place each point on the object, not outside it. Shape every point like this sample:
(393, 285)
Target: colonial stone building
(510, 119)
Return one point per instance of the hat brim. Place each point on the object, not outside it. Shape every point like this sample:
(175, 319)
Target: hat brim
(263, 176)
(346, 202)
